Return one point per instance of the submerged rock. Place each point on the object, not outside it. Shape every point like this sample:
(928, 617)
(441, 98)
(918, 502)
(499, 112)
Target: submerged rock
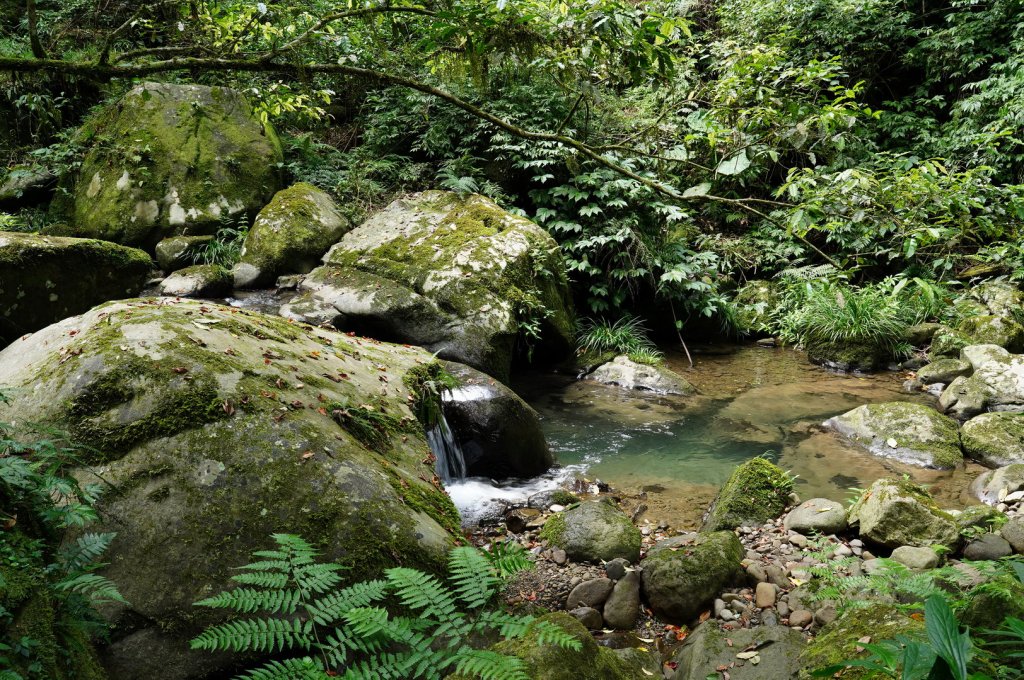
(755, 492)
(907, 432)
(216, 427)
(459, 276)
(201, 280)
(624, 372)
(289, 236)
(896, 512)
(167, 160)
(44, 279)
(706, 650)
(593, 531)
(994, 439)
(680, 581)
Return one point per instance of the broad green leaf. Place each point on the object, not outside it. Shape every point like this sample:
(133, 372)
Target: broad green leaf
(734, 165)
(698, 190)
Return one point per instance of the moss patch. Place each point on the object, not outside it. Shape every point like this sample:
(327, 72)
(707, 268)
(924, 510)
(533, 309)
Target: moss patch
(838, 641)
(755, 492)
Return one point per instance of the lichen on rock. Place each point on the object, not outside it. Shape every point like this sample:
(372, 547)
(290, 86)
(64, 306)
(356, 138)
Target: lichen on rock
(905, 431)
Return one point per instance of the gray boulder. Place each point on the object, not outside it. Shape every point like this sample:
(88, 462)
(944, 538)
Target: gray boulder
(593, 531)
(907, 432)
(994, 439)
(681, 582)
(818, 515)
(178, 252)
(457, 275)
(624, 372)
(707, 648)
(1013, 532)
(25, 185)
(943, 371)
(201, 280)
(44, 279)
(289, 236)
(993, 486)
(897, 512)
(622, 609)
(168, 160)
(987, 547)
(996, 383)
(916, 558)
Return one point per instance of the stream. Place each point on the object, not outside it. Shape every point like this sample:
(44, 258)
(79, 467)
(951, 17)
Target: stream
(673, 453)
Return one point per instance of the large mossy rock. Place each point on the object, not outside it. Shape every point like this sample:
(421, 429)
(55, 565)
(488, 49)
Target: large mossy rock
(842, 639)
(849, 356)
(44, 279)
(169, 159)
(178, 252)
(631, 375)
(198, 281)
(457, 275)
(994, 330)
(682, 579)
(289, 236)
(993, 601)
(215, 427)
(500, 434)
(708, 648)
(943, 371)
(897, 512)
(947, 343)
(907, 432)
(994, 439)
(593, 531)
(755, 492)
(996, 383)
(25, 185)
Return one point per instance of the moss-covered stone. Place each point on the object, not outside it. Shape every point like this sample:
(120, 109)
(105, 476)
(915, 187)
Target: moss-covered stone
(895, 512)
(947, 343)
(994, 330)
(46, 278)
(681, 580)
(290, 235)
(994, 439)
(200, 280)
(459, 276)
(943, 371)
(628, 374)
(169, 159)
(755, 492)
(594, 531)
(178, 252)
(905, 431)
(990, 603)
(708, 648)
(848, 356)
(755, 303)
(841, 639)
(211, 429)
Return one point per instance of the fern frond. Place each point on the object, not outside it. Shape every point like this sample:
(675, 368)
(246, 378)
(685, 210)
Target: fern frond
(488, 665)
(85, 551)
(423, 592)
(275, 565)
(550, 634)
(290, 669)
(332, 607)
(472, 576)
(317, 578)
(508, 626)
(259, 635)
(248, 600)
(508, 558)
(262, 579)
(93, 586)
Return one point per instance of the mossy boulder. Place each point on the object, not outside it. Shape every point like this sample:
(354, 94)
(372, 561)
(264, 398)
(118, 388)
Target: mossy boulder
(46, 278)
(178, 252)
(201, 280)
(895, 512)
(545, 661)
(683, 579)
(631, 375)
(593, 531)
(708, 648)
(904, 431)
(920, 334)
(841, 639)
(849, 356)
(943, 371)
(457, 275)
(755, 492)
(996, 383)
(25, 185)
(213, 427)
(169, 159)
(947, 342)
(991, 602)
(289, 236)
(999, 298)
(994, 330)
(994, 439)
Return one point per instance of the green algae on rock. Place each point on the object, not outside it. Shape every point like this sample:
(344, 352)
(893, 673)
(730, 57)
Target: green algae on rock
(894, 512)
(166, 160)
(593, 531)
(289, 236)
(211, 426)
(456, 275)
(755, 492)
(907, 432)
(994, 439)
(46, 278)
(841, 639)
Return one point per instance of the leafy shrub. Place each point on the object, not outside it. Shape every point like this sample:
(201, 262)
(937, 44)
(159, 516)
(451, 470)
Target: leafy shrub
(625, 335)
(226, 247)
(349, 632)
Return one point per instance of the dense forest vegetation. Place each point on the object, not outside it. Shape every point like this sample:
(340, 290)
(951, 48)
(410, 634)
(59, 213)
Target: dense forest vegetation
(824, 173)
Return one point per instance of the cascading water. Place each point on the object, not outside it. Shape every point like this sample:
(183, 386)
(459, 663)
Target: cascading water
(451, 463)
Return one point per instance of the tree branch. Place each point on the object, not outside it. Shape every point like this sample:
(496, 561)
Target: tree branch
(33, 31)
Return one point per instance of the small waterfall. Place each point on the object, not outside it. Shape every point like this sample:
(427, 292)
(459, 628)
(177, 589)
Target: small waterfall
(451, 463)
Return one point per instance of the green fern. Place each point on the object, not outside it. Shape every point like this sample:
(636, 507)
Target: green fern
(350, 632)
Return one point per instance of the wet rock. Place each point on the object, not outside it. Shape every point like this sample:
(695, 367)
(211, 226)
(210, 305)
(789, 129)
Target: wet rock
(907, 432)
(916, 558)
(756, 491)
(994, 439)
(589, 617)
(705, 650)
(680, 583)
(626, 373)
(179, 252)
(290, 235)
(443, 272)
(622, 609)
(517, 519)
(592, 593)
(201, 280)
(988, 547)
(897, 512)
(816, 516)
(543, 500)
(993, 486)
(593, 531)
(943, 371)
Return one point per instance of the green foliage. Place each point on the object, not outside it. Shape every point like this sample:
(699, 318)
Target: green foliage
(368, 423)
(226, 247)
(625, 335)
(428, 384)
(351, 632)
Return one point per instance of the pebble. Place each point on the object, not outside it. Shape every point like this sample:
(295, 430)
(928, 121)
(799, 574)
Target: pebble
(718, 606)
(757, 572)
(559, 557)
(843, 551)
(764, 595)
(782, 608)
(799, 540)
(800, 618)
(731, 597)
(555, 507)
